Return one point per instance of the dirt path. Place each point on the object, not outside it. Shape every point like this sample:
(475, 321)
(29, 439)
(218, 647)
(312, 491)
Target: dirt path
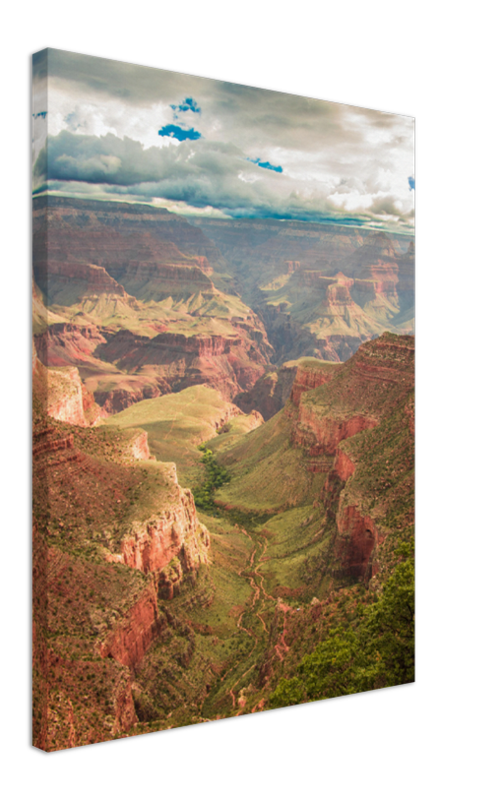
(259, 608)
(281, 648)
(256, 604)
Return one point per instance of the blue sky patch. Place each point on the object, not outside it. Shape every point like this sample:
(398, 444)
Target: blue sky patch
(188, 104)
(411, 183)
(265, 164)
(175, 132)
(42, 114)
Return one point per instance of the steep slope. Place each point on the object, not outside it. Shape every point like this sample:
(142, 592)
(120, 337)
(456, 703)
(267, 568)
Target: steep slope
(112, 529)
(270, 392)
(60, 394)
(338, 559)
(176, 424)
(343, 442)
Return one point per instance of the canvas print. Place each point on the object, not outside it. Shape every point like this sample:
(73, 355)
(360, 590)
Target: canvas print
(223, 412)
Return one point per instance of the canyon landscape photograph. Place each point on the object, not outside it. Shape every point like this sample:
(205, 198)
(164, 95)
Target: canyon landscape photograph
(223, 375)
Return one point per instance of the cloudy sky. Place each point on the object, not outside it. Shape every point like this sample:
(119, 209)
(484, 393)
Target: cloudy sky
(116, 131)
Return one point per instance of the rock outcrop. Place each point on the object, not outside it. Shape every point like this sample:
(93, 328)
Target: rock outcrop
(353, 424)
(229, 364)
(381, 380)
(129, 390)
(98, 491)
(131, 637)
(270, 392)
(67, 344)
(175, 534)
(355, 543)
(321, 437)
(316, 429)
(60, 394)
(65, 399)
(310, 374)
(140, 448)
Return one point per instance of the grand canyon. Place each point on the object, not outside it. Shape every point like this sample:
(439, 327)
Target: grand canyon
(223, 439)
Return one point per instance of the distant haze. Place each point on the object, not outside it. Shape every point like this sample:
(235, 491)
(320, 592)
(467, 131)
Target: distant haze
(118, 131)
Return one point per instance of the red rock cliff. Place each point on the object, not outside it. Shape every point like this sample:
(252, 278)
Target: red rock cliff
(102, 619)
(230, 364)
(270, 393)
(376, 384)
(175, 534)
(355, 542)
(316, 427)
(309, 375)
(140, 448)
(129, 640)
(321, 436)
(66, 344)
(65, 397)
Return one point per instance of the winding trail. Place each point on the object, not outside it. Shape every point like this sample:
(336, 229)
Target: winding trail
(257, 605)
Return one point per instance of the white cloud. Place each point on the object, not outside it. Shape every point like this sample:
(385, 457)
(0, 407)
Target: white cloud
(336, 159)
(247, 178)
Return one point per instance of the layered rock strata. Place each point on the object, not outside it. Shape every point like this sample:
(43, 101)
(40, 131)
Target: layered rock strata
(176, 534)
(102, 611)
(376, 383)
(131, 637)
(321, 290)
(227, 363)
(309, 375)
(270, 392)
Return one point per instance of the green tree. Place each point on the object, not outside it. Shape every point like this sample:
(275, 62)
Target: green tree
(216, 476)
(379, 652)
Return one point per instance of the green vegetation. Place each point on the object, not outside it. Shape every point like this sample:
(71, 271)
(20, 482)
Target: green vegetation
(376, 653)
(268, 475)
(384, 482)
(176, 424)
(231, 432)
(188, 673)
(216, 476)
(306, 590)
